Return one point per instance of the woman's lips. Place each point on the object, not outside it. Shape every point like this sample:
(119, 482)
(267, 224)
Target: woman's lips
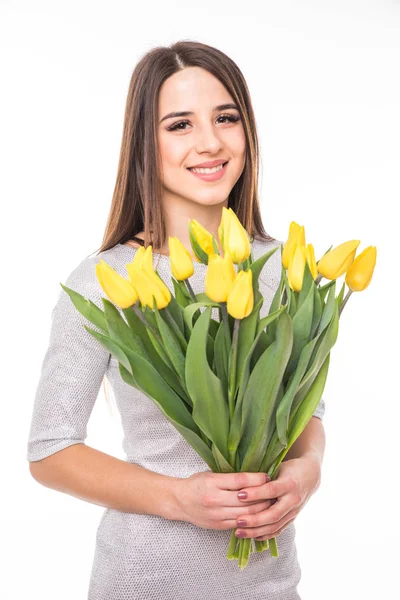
(211, 176)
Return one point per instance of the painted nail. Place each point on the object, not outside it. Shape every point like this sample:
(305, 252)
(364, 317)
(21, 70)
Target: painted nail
(268, 477)
(242, 523)
(242, 495)
(240, 534)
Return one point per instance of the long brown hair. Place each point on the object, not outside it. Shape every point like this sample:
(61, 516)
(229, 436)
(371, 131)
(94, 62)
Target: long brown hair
(137, 200)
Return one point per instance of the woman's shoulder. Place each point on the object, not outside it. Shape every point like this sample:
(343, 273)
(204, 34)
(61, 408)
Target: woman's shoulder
(83, 277)
(271, 272)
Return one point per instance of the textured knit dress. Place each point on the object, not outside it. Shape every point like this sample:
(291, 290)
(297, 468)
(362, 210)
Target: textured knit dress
(146, 557)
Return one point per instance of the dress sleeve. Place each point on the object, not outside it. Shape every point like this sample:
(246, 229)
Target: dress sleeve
(72, 371)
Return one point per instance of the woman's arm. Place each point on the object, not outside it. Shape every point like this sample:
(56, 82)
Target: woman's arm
(92, 475)
(310, 442)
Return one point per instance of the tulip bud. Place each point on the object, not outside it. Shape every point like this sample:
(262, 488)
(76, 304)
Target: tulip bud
(219, 277)
(143, 258)
(296, 236)
(311, 260)
(149, 284)
(336, 262)
(235, 237)
(119, 290)
(201, 240)
(359, 274)
(223, 225)
(297, 263)
(180, 259)
(241, 297)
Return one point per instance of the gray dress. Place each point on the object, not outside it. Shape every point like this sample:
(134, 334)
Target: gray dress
(140, 556)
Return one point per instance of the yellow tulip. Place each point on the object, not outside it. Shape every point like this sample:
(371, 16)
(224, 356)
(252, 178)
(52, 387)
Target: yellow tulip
(296, 236)
(223, 225)
(336, 262)
(203, 238)
(297, 263)
(241, 297)
(180, 259)
(219, 277)
(149, 284)
(360, 272)
(311, 260)
(235, 237)
(120, 291)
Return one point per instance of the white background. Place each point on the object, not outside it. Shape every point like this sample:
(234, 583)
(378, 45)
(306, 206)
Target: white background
(324, 80)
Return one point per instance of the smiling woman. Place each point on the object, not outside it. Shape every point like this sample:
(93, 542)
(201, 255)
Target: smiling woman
(188, 109)
(189, 150)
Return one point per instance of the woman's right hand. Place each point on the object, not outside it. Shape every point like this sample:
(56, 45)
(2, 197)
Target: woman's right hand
(210, 500)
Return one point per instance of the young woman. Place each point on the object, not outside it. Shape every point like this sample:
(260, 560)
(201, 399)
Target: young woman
(189, 148)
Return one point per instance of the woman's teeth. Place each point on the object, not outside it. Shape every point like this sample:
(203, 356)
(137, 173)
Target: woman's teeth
(207, 170)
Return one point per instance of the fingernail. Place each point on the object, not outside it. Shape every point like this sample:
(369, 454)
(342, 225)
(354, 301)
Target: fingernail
(268, 477)
(240, 534)
(241, 523)
(242, 495)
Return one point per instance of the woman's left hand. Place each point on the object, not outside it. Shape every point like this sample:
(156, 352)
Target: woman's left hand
(298, 479)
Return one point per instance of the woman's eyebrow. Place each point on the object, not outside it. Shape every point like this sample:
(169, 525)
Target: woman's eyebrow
(188, 113)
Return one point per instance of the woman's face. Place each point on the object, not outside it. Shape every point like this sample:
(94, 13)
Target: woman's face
(207, 134)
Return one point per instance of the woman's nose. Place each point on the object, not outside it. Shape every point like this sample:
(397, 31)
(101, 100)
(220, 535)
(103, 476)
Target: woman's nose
(208, 140)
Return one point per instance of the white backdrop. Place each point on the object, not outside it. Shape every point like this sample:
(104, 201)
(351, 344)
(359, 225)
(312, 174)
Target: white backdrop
(323, 77)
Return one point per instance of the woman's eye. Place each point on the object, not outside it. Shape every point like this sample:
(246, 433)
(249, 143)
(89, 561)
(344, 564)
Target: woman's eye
(177, 126)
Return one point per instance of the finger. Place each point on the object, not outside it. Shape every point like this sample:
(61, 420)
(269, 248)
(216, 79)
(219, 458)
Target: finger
(270, 530)
(237, 481)
(273, 516)
(271, 535)
(226, 517)
(272, 489)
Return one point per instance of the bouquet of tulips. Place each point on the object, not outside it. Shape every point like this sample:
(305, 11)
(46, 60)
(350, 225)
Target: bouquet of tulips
(261, 378)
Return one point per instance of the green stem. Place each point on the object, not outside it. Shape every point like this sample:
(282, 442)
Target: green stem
(273, 547)
(175, 328)
(189, 287)
(344, 301)
(230, 555)
(225, 318)
(232, 368)
(141, 316)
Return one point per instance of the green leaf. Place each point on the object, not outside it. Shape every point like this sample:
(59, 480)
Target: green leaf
(222, 464)
(308, 281)
(150, 382)
(171, 344)
(247, 333)
(309, 404)
(324, 289)
(87, 308)
(210, 410)
(221, 355)
(328, 309)
(302, 322)
(317, 312)
(237, 424)
(181, 292)
(112, 346)
(151, 318)
(339, 299)
(260, 398)
(257, 266)
(120, 331)
(284, 408)
(192, 308)
(298, 421)
(322, 349)
(167, 373)
(176, 312)
(276, 303)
